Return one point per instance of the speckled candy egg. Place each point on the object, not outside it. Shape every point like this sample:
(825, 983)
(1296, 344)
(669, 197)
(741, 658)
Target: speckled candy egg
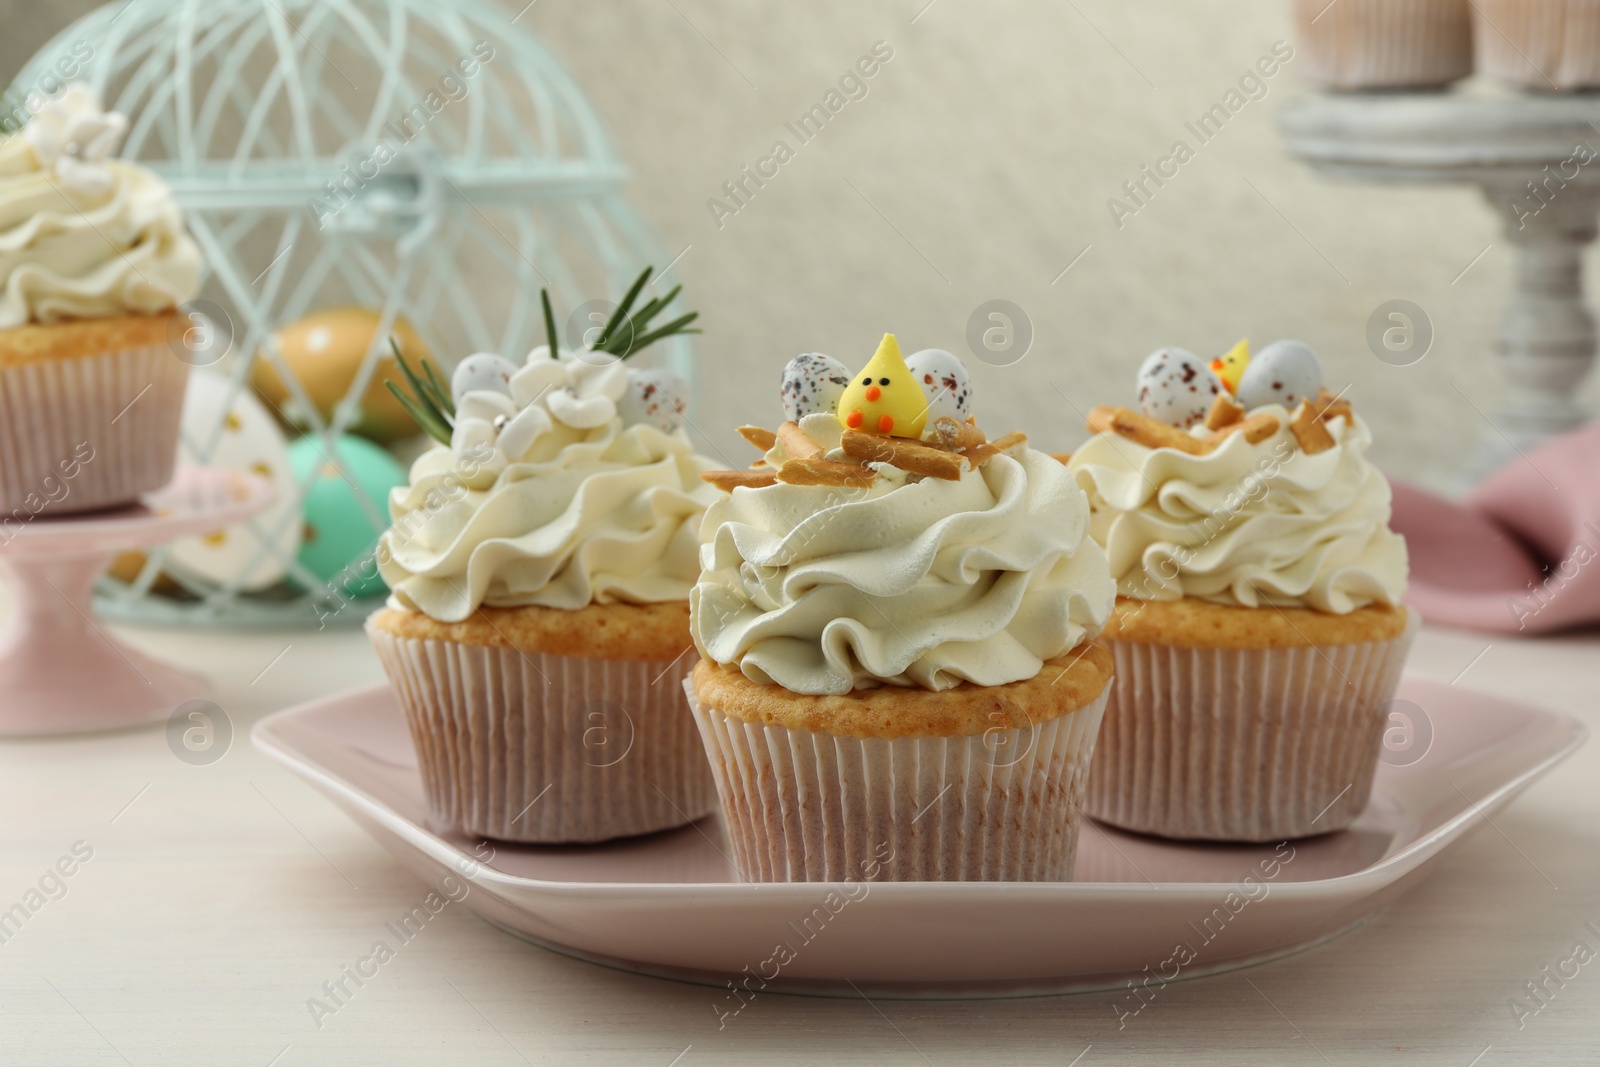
(1177, 388)
(812, 383)
(657, 397)
(945, 382)
(485, 372)
(1284, 372)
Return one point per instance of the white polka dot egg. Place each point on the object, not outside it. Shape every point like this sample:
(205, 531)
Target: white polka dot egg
(1284, 372)
(945, 382)
(812, 383)
(1177, 388)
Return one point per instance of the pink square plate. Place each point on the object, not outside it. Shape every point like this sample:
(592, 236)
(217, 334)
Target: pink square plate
(1146, 909)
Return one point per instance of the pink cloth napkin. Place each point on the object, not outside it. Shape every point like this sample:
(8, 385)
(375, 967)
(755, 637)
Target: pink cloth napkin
(1522, 553)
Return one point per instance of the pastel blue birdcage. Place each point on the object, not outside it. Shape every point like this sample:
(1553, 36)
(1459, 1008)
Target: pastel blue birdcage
(423, 158)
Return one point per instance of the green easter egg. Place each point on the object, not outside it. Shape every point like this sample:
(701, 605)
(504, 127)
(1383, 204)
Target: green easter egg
(339, 533)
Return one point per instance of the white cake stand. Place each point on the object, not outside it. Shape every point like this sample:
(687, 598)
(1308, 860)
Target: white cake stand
(1523, 152)
(60, 670)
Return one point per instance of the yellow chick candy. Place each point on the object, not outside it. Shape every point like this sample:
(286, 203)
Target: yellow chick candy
(883, 397)
(1230, 367)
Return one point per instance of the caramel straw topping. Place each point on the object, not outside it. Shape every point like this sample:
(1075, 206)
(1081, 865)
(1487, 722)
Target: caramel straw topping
(728, 481)
(1225, 411)
(950, 434)
(902, 452)
(812, 471)
(981, 454)
(1256, 428)
(952, 448)
(1309, 430)
(759, 436)
(796, 443)
(1142, 429)
(1226, 418)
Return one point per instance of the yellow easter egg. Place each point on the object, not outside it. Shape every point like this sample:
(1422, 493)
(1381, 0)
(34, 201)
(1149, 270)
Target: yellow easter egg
(324, 351)
(883, 397)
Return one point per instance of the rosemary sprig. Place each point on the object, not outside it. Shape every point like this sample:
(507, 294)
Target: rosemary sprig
(627, 331)
(428, 402)
(655, 305)
(438, 392)
(626, 334)
(550, 325)
(620, 316)
(676, 326)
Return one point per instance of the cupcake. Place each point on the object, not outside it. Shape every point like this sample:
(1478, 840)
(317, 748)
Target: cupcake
(94, 259)
(896, 622)
(1544, 45)
(1384, 44)
(540, 561)
(1258, 632)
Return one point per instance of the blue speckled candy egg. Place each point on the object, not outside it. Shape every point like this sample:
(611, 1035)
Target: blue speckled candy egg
(1284, 372)
(1177, 388)
(945, 382)
(657, 397)
(812, 382)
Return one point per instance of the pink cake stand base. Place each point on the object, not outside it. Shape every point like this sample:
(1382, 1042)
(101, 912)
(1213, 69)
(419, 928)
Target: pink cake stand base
(61, 671)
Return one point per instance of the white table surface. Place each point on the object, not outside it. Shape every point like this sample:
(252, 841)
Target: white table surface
(219, 899)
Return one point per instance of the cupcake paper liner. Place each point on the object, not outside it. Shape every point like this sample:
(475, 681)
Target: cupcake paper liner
(1379, 44)
(125, 405)
(803, 806)
(1243, 744)
(1544, 45)
(523, 746)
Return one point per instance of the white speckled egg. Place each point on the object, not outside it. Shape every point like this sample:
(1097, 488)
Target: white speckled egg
(485, 372)
(1177, 388)
(1284, 372)
(251, 440)
(945, 382)
(657, 397)
(812, 383)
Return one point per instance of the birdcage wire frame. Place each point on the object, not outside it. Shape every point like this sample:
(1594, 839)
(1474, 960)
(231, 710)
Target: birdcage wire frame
(523, 177)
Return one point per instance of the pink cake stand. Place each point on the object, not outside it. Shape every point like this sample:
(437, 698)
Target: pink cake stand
(60, 670)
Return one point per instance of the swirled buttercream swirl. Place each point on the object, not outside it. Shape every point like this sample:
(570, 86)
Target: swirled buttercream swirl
(927, 583)
(1246, 524)
(83, 235)
(603, 515)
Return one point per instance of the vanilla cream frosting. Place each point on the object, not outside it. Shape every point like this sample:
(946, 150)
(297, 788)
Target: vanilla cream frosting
(1246, 524)
(83, 235)
(928, 582)
(546, 497)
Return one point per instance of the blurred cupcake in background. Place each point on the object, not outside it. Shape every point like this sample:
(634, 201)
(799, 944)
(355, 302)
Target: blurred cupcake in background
(1383, 44)
(541, 558)
(1542, 45)
(94, 260)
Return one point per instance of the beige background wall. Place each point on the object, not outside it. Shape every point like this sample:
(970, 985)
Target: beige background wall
(978, 166)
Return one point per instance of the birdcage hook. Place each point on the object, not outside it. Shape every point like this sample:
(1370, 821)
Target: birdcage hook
(387, 192)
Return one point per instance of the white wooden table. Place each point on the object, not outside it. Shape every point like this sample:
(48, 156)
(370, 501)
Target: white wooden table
(219, 898)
